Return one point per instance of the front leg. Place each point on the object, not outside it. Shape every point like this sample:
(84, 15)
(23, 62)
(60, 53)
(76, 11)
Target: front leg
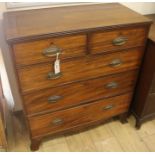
(35, 143)
(138, 124)
(123, 118)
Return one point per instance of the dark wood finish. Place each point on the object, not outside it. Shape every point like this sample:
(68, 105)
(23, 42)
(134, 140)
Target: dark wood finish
(123, 117)
(35, 77)
(45, 124)
(35, 143)
(139, 107)
(32, 52)
(103, 41)
(145, 79)
(31, 23)
(150, 108)
(89, 74)
(144, 100)
(152, 89)
(79, 93)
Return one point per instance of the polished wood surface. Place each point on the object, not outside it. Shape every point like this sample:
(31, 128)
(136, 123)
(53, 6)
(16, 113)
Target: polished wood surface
(88, 113)
(79, 93)
(102, 49)
(73, 46)
(111, 136)
(38, 22)
(32, 52)
(35, 77)
(103, 41)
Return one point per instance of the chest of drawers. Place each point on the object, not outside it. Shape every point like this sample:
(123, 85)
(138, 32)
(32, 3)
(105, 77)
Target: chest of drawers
(100, 50)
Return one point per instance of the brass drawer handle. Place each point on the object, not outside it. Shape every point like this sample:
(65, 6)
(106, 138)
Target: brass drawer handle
(119, 41)
(57, 121)
(52, 51)
(54, 99)
(108, 107)
(115, 63)
(111, 85)
(52, 75)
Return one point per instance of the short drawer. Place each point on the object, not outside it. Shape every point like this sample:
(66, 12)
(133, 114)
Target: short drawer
(79, 116)
(101, 42)
(78, 93)
(33, 52)
(41, 76)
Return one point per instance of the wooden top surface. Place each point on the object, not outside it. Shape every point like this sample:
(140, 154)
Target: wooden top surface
(152, 29)
(38, 22)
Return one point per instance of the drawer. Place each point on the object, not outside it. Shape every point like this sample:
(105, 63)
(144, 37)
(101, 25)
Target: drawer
(33, 52)
(41, 76)
(79, 116)
(78, 93)
(101, 42)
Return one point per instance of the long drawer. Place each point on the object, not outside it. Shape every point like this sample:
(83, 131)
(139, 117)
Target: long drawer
(78, 93)
(33, 52)
(102, 42)
(79, 116)
(41, 76)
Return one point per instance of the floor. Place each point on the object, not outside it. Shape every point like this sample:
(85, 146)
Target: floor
(111, 136)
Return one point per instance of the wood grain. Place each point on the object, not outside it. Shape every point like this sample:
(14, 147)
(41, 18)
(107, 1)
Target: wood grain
(42, 125)
(103, 41)
(35, 77)
(31, 52)
(78, 93)
(40, 22)
(103, 138)
(85, 34)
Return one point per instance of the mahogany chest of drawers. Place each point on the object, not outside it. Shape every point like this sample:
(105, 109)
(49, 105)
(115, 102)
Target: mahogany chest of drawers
(100, 51)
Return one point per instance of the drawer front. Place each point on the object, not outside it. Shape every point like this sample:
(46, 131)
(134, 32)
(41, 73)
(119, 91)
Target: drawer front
(39, 76)
(117, 39)
(79, 116)
(78, 93)
(44, 50)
